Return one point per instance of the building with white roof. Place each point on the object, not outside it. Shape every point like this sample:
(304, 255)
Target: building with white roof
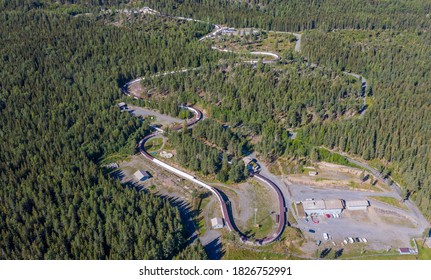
(357, 205)
(217, 223)
(142, 175)
(321, 207)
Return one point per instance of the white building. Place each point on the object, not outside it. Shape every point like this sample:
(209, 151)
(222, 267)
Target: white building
(357, 205)
(122, 106)
(217, 223)
(142, 175)
(321, 207)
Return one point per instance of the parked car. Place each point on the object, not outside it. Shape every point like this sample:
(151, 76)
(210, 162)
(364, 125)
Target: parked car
(318, 242)
(357, 239)
(325, 236)
(312, 230)
(328, 216)
(364, 240)
(345, 241)
(350, 240)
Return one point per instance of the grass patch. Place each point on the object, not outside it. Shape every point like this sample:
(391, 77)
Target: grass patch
(201, 217)
(290, 218)
(264, 215)
(390, 201)
(294, 208)
(233, 252)
(322, 179)
(363, 186)
(153, 144)
(424, 252)
(275, 169)
(358, 253)
(398, 221)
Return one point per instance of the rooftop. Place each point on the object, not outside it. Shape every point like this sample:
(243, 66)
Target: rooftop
(141, 174)
(357, 203)
(314, 204)
(334, 204)
(216, 221)
(319, 204)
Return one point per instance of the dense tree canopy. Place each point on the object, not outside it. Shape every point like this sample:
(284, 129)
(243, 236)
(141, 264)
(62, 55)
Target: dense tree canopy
(59, 84)
(62, 64)
(396, 128)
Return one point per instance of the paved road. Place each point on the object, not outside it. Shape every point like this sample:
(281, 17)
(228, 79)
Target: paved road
(396, 190)
(265, 61)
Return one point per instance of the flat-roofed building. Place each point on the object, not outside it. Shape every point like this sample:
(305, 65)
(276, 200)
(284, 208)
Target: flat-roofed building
(321, 207)
(357, 205)
(217, 223)
(335, 206)
(142, 175)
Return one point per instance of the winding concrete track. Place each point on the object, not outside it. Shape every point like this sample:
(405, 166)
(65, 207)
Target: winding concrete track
(198, 116)
(223, 207)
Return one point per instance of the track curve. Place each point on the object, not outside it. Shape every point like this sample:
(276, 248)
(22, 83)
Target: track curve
(223, 206)
(198, 116)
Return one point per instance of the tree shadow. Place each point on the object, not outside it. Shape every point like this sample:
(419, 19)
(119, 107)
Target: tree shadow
(325, 252)
(266, 217)
(187, 215)
(117, 174)
(338, 253)
(214, 249)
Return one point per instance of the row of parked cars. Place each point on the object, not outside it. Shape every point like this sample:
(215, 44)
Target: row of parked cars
(352, 240)
(336, 216)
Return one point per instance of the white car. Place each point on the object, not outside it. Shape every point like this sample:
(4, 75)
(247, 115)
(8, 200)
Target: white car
(325, 236)
(351, 240)
(345, 241)
(364, 240)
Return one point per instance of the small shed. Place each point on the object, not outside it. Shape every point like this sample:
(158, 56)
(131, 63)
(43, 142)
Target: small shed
(122, 106)
(217, 223)
(142, 175)
(357, 205)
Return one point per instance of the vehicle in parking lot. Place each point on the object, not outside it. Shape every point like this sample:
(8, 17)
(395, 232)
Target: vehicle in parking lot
(364, 240)
(350, 240)
(318, 242)
(345, 241)
(312, 230)
(328, 216)
(357, 239)
(325, 236)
